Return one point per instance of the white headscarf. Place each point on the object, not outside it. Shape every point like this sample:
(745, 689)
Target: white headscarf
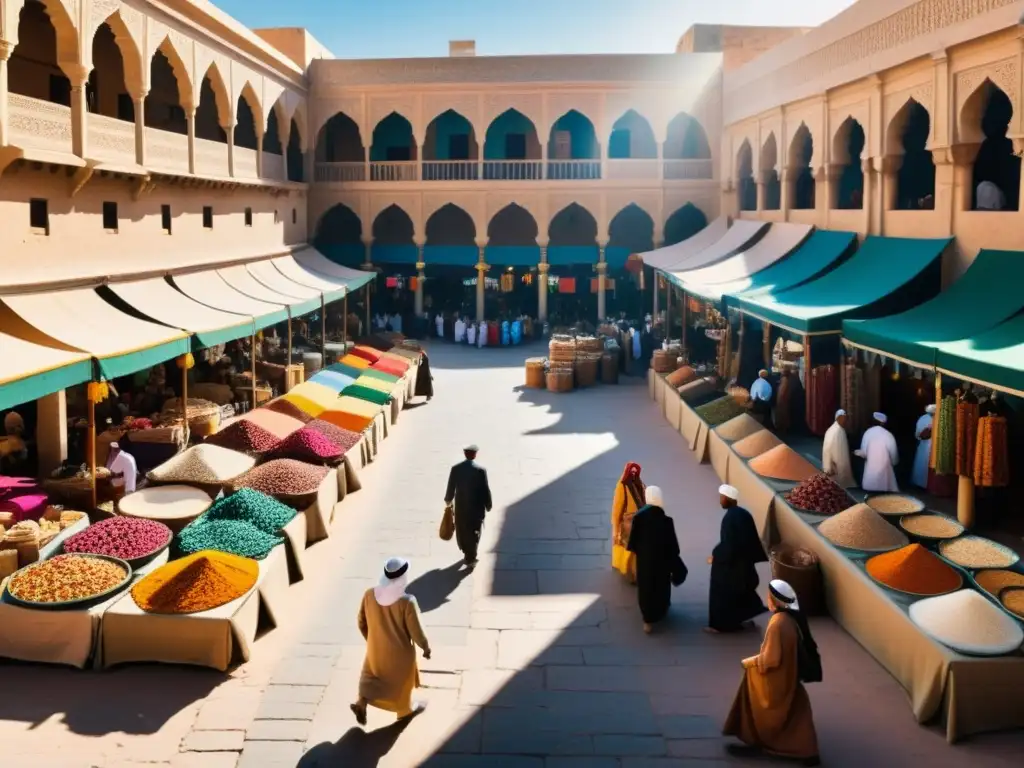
(784, 594)
(391, 587)
(654, 497)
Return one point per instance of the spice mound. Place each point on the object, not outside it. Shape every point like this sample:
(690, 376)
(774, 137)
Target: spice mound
(235, 537)
(995, 580)
(165, 502)
(719, 411)
(976, 552)
(128, 538)
(278, 424)
(287, 408)
(931, 526)
(738, 428)
(914, 570)
(681, 376)
(860, 527)
(283, 477)
(203, 464)
(251, 506)
(246, 436)
(1013, 601)
(346, 438)
(819, 494)
(199, 582)
(783, 463)
(309, 445)
(66, 578)
(894, 504)
(967, 622)
(756, 444)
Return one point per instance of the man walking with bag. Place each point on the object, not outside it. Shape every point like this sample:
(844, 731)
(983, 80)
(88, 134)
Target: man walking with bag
(468, 489)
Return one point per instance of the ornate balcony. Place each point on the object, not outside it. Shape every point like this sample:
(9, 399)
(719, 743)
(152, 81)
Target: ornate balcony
(40, 125)
(111, 140)
(688, 170)
(167, 151)
(574, 170)
(212, 158)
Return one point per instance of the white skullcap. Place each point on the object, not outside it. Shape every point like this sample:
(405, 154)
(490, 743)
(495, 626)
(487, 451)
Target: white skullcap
(394, 568)
(654, 496)
(472, 448)
(763, 372)
(880, 417)
(930, 408)
(784, 593)
(729, 492)
(840, 412)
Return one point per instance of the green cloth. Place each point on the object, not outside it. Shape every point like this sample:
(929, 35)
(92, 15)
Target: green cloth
(128, 363)
(818, 253)
(987, 294)
(383, 376)
(365, 393)
(995, 356)
(857, 287)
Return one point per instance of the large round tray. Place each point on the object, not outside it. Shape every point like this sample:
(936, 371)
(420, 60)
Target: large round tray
(1002, 593)
(1008, 647)
(136, 562)
(920, 504)
(852, 551)
(82, 603)
(922, 536)
(1014, 557)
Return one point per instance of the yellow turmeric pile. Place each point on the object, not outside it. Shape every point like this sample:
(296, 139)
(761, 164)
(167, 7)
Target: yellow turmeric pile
(199, 582)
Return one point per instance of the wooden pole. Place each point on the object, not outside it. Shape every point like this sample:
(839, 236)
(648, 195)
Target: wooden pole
(253, 365)
(808, 368)
(323, 331)
(344, 322)
(766, 343)
(668, 310)
(289, 343)
(184, 398)
(92, 448)
(367, 329)
(683, 309)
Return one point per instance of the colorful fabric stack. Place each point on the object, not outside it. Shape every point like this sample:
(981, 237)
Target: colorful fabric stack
(369, 354)
(381, 375)
(346, 370)
(351, 413)
(354, 361)
(394, 367)
(369, 382)
(368, 394)
(333, 380)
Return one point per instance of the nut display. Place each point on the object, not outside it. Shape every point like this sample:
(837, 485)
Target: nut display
(65, 578)
(819, 494)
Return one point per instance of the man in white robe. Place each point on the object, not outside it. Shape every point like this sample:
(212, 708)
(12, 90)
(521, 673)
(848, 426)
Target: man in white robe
(460, 330)
(471, 334)
(439, 325)
(880, 454)
(481, 335)
(835, 453)
(923, 433)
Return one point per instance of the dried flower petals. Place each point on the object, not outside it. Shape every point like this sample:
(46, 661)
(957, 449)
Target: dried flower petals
(65, 578)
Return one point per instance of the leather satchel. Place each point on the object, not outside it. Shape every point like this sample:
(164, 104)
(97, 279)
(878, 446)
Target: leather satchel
(447, 529)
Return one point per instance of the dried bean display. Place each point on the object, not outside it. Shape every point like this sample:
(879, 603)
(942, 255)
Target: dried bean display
(860, 527)
(204, 465)
(245, 436)
(309, 445)
(283, 477)
(819, 494)
(967, 622)
(199, 582)
(914, 570)
(346, 438)
(128, 538)
(65, 578)
(236, 537)
(976, 552)
(995, 580)
(720, 411)
(251, 506)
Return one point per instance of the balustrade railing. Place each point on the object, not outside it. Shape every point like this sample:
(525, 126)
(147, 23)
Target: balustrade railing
(688, 170)
(38, 124)
(335, 172)
(574, 170)
(111, 139)
(451, 170)
(168, 151)
(513, 170)
(403, 171)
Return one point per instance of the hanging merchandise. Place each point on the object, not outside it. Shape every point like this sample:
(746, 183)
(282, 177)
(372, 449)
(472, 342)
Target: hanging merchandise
(967, 415)
(853, 398)
(991, 459)
(391, 282)
(508, 282)
(414, 283)
(567, 285)
(944, 434)
(822, 398)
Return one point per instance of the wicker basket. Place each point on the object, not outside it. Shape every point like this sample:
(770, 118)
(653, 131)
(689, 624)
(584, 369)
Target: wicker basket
(664, 360)
(586, 369)
(562, 349)
(203, 416)
(589, 344)
(610, 368)
(535, 373)
(800, 567)
(560, 380)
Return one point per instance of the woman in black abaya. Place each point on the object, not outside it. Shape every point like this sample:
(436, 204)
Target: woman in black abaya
(733, 600)
(653, 540)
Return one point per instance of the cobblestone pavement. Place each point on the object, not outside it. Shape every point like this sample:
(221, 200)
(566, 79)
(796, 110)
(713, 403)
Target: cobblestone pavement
(539, 659)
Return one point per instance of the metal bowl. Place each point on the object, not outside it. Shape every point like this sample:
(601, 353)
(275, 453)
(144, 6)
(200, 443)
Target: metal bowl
(79, 604)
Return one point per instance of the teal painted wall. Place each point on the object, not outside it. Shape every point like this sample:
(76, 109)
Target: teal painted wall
(503, 125)
(584, 141)
(392, 131)
(445, 126)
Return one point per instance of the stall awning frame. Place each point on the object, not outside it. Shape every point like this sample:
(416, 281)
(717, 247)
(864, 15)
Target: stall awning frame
(32, 365)
(316, 262)
(241, 279)
(668, 256)
(212, 290)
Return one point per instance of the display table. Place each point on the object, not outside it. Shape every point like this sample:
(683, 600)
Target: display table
(295, 547)
(689, 424)
(57, 637)
(673, 406)
(321, 512)
(210, 639)
(971, 694)
(57, 543)
(721, 455)
(348, 472)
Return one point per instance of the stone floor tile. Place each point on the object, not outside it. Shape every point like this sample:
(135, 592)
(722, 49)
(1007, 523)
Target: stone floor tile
(213, 741)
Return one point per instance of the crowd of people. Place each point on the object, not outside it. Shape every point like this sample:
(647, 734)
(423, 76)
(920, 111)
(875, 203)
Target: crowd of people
(487, 333)
(771, 712)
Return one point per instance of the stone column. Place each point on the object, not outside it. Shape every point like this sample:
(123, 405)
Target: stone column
(786, 192)
(654, 310)
(602, 283)
(259, 155)
(871, 196)
(542, 284)
(419, 162)
(230, 131)
(366, 164)
(190, 119)
(661, 160)
(6, 49)
(368, 246)
(139, 101)
(285, 135)
(420, 275)
(52, 431)
(481, 278)
(832, 175)
(79, 76)
(964, 156)
(762, 190)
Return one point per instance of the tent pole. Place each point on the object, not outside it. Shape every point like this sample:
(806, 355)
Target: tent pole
(344, 322)
(184, 397)
(809, 376)
(682, 323)
(766, 343)
(92, 447)
(289, 342)
(253, 364)
(367, 329)
(323, 331)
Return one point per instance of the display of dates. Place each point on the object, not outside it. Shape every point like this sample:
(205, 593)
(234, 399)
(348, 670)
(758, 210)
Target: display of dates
(820, 495)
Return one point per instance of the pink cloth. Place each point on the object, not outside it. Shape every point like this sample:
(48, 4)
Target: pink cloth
(17, 484)
(28, 507)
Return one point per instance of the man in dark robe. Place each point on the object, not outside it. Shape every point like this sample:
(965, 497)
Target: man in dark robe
(424, 381)
(733, 600)
(653, 540)
(469, 490)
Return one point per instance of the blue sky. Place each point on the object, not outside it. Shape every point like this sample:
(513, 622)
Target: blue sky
(409, 28)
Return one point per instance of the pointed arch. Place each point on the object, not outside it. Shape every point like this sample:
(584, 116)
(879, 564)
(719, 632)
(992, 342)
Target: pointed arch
(632, 228)
(46, 37)
(573, 225)
(273, 130)
(847, 153)
(684, 223)
(171, 89)
(248, 120)
(769, 160)
(339, 235)
(511, 136)
(393, 140)
(296, 159)
(450, 136)
(513, 225)
(985, 121)
(746, 187)
(632, 137)
(906, 142)
(214, 107)
(393, 226)
(573, 137)
(450, 225)
(686, 139)
(131, 55)
(340, 141)
(801, 178)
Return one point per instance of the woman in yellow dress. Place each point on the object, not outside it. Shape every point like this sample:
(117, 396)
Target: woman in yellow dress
(629, 498)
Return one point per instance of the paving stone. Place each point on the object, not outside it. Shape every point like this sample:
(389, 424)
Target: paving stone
(483, 761)
(285, 710)
(581, 762)
(689, 727)
(205, 760)
(297, 694)
(624, 745)
(271, 754)
(707, 749)
(278, 730)
(306, 670)
(213, 741)
(497, 687)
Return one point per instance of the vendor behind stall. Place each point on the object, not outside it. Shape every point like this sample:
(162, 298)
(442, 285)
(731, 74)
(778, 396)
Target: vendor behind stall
(761, 396)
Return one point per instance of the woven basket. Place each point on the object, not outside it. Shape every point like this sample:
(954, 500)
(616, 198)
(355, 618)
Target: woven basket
(664, 361)
(559, 380)
(609, 368)
(562, 349)
(203, 416)
(589, 344)
(535, 373)
(586, 370)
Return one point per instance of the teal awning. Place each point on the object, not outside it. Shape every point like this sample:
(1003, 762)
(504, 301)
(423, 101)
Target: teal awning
(451, 255)
(566, 255)
(161, 302)
(211, 289)
(992, 358)
(32, 365)
(316, 262)
(395, 254)
(513, 255)
(987, 294)
(869, 283)
(81, 319)
(241, 279)
(668, 257)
